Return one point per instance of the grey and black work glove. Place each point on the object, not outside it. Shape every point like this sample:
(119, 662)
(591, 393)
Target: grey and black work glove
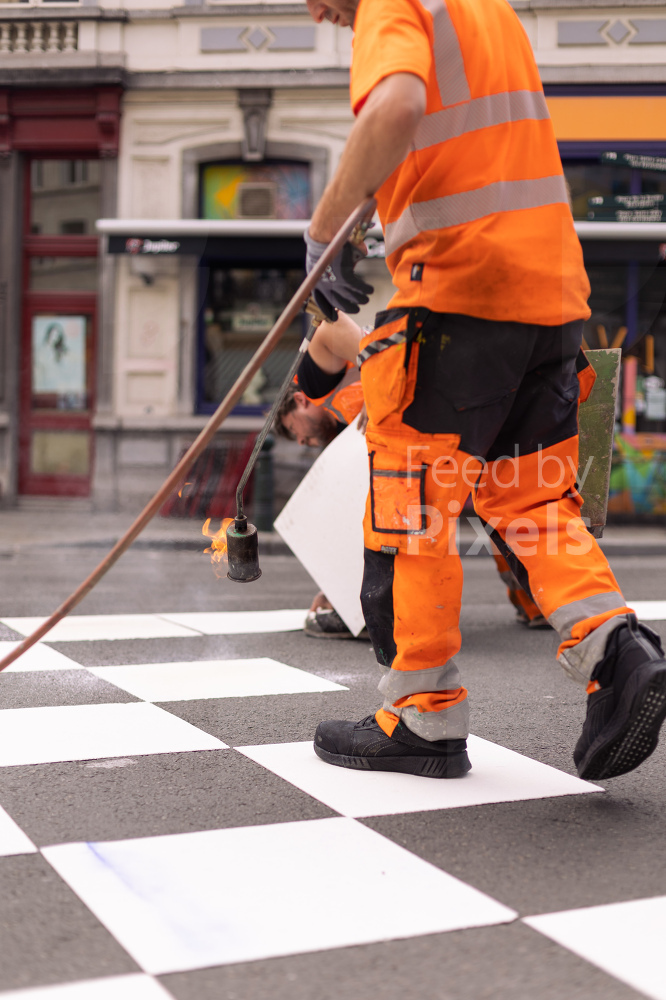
(338, 287)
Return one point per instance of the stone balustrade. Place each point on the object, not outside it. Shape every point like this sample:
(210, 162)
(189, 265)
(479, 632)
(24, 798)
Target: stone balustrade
(23, 37)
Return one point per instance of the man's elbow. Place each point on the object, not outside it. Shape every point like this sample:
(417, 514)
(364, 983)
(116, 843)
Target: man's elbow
(405, 96)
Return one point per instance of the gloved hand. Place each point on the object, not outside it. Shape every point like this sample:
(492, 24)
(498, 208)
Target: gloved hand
(338, 287)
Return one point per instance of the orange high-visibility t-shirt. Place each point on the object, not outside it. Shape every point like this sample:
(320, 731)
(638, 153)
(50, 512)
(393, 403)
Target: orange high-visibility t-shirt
(476, 218)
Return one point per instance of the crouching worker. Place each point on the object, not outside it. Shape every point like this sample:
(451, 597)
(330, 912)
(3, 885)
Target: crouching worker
(470, 381)
(325, 398)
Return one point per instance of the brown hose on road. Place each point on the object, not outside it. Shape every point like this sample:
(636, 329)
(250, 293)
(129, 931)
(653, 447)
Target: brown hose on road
(269, 343)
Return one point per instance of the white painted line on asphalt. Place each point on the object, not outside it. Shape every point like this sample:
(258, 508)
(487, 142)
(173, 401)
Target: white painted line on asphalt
(38, 657)
(12, 838)
(78, 628)
(221, 897)
(626, 940)
(212, 679)
(649, 611)
(497, 775)
(240, 622)
(132, 987)
(94, 732)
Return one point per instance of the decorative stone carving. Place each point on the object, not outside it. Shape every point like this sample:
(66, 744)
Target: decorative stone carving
(254, 104)
(618, 32)
(222, 40)
(581, 32)
(259, 38)
(649, 31)
(292, 38)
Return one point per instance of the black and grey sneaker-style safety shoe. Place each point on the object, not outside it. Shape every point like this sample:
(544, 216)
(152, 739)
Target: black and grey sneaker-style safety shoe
(625, 714)
(327, 624)
(365, 746)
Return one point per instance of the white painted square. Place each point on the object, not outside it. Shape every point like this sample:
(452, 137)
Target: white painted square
(497, 775)
(12, 838)
(649, 611)
(212, 679)
(132, 987)
(626, 940)
(38, 657)
(92, 732)
(220, 897)
(240, 622)
(79, 628)
(331, 547)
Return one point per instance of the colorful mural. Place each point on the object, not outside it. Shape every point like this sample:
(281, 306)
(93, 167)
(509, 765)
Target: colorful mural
(221, 185)
(638, 475)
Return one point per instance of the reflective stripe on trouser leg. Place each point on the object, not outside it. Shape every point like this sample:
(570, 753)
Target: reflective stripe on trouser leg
(421, 687)
(533, 509)
(429, 700)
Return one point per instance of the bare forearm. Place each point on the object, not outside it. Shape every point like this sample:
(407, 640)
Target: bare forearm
(334, 344)
(377, 144)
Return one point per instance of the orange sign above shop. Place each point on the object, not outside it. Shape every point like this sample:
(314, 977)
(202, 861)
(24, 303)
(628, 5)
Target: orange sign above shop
(590, 119)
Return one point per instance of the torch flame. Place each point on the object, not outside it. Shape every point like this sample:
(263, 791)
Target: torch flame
(218, 545)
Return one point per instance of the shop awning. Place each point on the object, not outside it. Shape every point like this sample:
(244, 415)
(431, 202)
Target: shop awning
(203, 237)
(167, 237)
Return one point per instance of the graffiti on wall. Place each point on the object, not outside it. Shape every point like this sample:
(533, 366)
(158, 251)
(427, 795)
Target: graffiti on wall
(638, 475)
(244, 190)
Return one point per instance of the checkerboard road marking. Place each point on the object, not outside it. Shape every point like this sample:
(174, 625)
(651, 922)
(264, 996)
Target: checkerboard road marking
(38, 657)
(12, 838)
(133, 987)
(94, 732)
(626, 940)
(497, 775)
(163, 682)
(226, 896)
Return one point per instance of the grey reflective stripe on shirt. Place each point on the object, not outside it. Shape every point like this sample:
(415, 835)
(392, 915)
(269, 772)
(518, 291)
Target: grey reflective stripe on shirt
(468, 206)
(380, 345)
(482, 112)
(564, 619)
(449, 63)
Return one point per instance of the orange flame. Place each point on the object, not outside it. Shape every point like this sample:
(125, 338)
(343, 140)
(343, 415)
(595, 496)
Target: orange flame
(218, 545)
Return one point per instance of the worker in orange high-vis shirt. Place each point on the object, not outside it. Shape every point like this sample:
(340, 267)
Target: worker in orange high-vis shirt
(470, 381)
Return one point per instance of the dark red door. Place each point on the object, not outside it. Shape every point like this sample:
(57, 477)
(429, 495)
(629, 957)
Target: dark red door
(58, 335)
(56, 440)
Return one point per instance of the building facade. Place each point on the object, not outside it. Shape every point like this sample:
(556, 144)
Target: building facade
(158, 165)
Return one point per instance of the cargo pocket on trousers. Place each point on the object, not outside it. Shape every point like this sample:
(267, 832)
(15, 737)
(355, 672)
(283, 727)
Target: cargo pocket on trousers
(397, 499)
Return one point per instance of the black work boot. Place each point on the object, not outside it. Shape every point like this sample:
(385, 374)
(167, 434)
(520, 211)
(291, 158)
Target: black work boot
(365, 746)
(625, 714)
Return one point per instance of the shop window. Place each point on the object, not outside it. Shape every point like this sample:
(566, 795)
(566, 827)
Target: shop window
(589, 179)
(269, 190)
(241, 306)
(628, 279)
(64, 196)
(53, 274)
(246, 288)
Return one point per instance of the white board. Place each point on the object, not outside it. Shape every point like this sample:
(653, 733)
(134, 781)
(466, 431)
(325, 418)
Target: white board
(323, 523)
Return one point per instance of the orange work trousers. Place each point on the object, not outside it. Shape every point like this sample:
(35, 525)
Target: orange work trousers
(459, 405)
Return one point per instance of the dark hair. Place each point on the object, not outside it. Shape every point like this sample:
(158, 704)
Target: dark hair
(288, 405)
